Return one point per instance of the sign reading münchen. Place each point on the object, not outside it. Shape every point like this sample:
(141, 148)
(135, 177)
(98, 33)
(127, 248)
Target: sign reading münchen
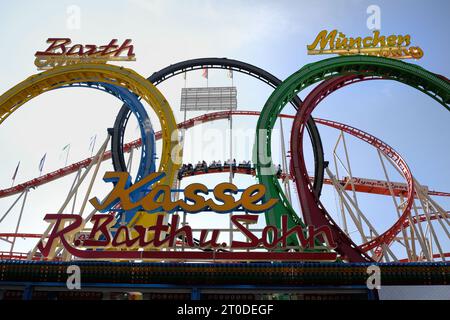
(393, 46)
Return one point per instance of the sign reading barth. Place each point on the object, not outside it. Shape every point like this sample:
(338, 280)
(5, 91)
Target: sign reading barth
(59, 53)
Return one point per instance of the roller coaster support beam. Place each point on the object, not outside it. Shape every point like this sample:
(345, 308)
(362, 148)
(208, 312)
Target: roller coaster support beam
(13, 205)
(347, 168)
(72, 192)
(423, 199)
(287, 187)
(427, 203)
(397, 209)
(421, 235)
(345, 198)
(101, 152)
(19, 220)
(94, 176)
(77, 178)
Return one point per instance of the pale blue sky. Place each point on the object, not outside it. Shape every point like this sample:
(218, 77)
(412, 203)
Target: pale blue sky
(270, 34)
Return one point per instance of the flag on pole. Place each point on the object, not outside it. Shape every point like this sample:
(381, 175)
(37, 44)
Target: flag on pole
(184, 76)
(205, 73)
(41, 164)
(66, 147)
(230, 74)
(15, 172)
(92, 143)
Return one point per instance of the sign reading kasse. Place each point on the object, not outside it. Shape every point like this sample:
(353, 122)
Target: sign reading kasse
(139, 242)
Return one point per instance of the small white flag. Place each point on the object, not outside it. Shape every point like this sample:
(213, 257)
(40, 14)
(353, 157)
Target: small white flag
(15, 172)
(92, 143)
(67, 149)
(41, 163)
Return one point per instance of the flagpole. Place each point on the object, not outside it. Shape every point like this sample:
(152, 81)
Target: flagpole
(15, 175)
(41, 164)
(206, 75)
(183, 132)
(93, 145)
(231, 156)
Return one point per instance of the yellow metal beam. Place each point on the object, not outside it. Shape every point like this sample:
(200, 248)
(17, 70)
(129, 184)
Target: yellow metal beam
(40, 83)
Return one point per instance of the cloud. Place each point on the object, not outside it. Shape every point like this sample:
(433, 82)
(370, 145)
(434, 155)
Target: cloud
(230, 24)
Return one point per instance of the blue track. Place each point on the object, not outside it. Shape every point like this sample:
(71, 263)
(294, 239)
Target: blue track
(147, 163)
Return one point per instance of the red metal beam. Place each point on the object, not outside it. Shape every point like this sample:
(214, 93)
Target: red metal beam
(21, 235)
(313, 211)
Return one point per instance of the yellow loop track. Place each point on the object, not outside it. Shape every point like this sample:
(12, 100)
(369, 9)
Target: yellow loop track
(37, 84)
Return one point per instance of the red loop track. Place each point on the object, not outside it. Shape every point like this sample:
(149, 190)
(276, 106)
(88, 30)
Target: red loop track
(313, 211)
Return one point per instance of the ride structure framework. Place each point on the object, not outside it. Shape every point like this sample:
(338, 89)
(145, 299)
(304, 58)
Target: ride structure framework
(417, 206)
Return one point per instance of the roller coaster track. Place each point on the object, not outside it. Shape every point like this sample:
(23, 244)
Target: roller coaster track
(382, 187)
(72, 168)
(434, 86)
(88, 73)
(68, 75)
(337, 72)
(147, 162)
(428, 83)
(316, 215)
(117, 141)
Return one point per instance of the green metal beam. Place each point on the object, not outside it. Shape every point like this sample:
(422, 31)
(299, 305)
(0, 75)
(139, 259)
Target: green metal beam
(427, 82)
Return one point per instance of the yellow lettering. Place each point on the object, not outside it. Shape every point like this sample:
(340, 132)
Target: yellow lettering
(406, 39)
(377, 40)
(341, 42)
(159, 198)
(416, 52)
(229, 203)
(252, 195)
(324, 38)
(392, 41)
(191, 194)
(368, 42)
(354, 43)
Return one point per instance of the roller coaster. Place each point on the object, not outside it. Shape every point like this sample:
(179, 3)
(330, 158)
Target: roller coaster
(420, 219)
